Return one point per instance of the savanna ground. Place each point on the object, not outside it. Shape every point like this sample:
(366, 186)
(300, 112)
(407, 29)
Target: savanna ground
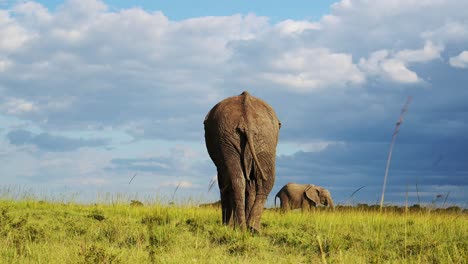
(33, 231)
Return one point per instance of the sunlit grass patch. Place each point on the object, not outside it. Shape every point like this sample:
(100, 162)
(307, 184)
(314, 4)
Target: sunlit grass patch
(35, 231)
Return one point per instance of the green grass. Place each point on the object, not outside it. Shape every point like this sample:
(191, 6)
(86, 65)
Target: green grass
(33, 231)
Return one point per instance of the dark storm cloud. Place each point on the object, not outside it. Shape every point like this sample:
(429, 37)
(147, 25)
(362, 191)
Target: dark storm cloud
(51, 143)
(345, 167)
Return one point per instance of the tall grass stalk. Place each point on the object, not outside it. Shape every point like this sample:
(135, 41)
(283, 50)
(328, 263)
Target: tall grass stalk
(390, 152)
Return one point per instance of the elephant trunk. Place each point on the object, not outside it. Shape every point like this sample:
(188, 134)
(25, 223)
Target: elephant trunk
(330, 203)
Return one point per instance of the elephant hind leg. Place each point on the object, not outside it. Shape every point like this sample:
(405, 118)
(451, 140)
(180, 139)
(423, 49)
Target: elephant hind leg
(226, 206)
(256, 212)
(262, 189)
(237, 181)
(250, 194)
(227, 203)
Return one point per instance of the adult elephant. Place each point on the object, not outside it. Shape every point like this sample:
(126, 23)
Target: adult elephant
(241, 134)
(305, 196)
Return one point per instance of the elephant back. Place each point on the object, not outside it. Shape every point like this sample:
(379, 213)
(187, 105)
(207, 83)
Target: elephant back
(241, 112)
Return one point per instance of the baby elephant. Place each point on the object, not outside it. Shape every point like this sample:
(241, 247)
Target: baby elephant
(304, 196)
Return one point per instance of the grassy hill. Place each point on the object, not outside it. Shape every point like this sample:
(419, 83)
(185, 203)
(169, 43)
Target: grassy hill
(34, 231)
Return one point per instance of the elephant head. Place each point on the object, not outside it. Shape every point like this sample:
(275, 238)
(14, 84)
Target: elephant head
(319, 195)
(293, 196)
(241, 134)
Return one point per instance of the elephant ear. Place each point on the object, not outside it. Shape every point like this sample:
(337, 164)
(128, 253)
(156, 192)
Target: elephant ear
(312, 194)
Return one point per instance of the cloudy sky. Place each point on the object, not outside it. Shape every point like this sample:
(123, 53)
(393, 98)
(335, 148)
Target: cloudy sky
(95, 92)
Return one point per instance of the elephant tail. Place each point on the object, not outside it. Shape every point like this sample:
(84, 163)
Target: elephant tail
(246, 127)
(254, 155)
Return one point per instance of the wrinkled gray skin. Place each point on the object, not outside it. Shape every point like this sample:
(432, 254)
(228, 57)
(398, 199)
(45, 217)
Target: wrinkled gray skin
(305, 196)
(241, 134)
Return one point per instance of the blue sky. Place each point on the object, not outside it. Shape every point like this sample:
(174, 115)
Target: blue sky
(178, 10)
(94, 92)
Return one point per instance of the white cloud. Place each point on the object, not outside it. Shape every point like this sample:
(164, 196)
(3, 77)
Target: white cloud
(289, 148)
(4, 64)
(398, 71)
(289, 26)
(450, 31)
(303, 69)
(79, 11)
(428, 53)
(318, 146)
(180, 184)
(84, 51)
(14, 36)
(362, 27)
(330, 21)
(460, 61)
(372, 65)
(34, 14)
(380, 63)
(394, 66)
(16, 106)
